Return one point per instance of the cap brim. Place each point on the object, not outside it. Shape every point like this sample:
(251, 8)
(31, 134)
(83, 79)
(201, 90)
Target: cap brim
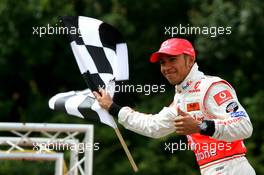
(155, 57)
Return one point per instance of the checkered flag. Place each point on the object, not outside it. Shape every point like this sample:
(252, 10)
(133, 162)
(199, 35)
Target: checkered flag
(99, 49)
(101, 54)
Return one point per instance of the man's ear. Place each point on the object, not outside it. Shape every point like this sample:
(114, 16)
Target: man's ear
(191, 61)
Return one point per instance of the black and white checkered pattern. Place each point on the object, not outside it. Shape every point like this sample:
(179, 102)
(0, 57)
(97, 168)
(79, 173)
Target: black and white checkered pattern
(79, 103)
(101, 54)
(99, 49)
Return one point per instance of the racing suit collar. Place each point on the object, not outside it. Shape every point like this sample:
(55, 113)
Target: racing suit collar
(193, 75)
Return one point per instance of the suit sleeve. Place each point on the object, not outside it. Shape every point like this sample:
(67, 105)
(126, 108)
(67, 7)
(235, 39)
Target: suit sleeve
(155, 126)
(231, 121)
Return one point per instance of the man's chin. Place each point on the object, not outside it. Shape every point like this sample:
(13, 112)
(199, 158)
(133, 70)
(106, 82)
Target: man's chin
(172, 82)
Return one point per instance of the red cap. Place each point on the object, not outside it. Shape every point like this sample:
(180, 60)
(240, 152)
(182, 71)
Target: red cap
(173, 47)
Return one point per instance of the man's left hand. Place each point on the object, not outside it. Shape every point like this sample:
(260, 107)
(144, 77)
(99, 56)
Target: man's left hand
(103, 98)
(185, 124)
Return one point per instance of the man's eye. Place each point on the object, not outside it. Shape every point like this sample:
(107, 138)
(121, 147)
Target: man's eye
(161, 62)
(172, 59)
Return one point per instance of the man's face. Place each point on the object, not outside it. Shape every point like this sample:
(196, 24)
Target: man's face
(176, 68)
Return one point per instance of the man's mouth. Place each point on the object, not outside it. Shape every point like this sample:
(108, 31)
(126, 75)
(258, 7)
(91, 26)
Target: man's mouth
(170, 74)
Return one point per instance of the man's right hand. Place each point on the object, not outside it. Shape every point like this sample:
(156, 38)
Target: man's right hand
(185, 124)
(104, 99)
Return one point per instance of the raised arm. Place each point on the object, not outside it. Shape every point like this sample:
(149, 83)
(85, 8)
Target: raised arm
(155, 126)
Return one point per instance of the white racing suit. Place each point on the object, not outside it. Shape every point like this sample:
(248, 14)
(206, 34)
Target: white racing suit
(220, 150)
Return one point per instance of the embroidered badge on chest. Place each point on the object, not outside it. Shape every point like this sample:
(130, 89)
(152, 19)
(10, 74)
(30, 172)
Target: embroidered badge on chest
(193, 107)
(195, 88)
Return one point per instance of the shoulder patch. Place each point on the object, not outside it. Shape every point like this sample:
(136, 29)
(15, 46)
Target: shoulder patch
(222, 97)
(232, 107)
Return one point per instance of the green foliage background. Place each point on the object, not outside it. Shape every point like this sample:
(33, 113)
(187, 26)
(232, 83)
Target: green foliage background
(33, 68)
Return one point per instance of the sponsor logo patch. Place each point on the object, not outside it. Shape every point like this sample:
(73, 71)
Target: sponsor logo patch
(232, 107)
(229, 121)
(187, 85)
(193, 107)
(197, 84)
(238, 114)
(194, 90)
(195, 87)
(219, 168)
(198, 117)
(222, 97)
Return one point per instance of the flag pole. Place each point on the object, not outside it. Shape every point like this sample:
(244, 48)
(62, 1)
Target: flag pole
(90, 83)
(123, 143)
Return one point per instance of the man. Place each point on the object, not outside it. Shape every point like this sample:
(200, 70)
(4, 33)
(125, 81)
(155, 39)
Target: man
(205, 108)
